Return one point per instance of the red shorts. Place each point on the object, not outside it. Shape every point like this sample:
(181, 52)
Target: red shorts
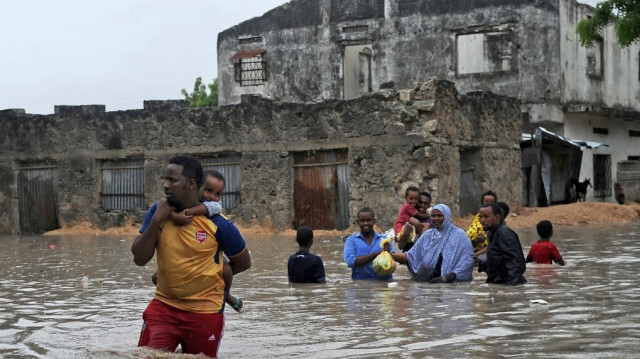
(165, 327)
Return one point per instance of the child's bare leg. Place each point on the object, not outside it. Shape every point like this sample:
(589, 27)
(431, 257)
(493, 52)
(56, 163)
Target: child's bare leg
(404, 238)
(227, 274)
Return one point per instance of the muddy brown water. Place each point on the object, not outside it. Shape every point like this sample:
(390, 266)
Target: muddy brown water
(589, 308)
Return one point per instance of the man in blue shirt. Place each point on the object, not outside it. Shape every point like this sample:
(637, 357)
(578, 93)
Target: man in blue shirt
(360, 249)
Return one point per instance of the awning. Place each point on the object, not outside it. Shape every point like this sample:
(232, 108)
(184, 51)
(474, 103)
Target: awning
(247, 54)
(542, 132)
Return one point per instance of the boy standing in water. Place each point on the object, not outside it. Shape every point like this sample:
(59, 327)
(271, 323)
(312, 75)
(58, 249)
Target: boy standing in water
(304, 267)
(211, 190)
(544, 251)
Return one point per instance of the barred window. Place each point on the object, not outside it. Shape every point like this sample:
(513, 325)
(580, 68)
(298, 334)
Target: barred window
(250, 68)
(122, 186)
(355, 28)
(249, 40)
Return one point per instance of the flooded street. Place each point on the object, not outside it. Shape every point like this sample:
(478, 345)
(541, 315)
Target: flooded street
(589, 308)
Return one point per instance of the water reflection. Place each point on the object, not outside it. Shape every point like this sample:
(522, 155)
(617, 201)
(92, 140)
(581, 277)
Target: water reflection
(587, 308)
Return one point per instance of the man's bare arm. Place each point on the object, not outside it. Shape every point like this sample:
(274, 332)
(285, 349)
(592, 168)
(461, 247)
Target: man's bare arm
(144, 246)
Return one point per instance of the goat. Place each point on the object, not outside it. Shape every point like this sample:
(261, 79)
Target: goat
(581, 188)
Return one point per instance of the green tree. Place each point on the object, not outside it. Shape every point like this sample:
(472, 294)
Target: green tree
(625, 14)
(199, 97)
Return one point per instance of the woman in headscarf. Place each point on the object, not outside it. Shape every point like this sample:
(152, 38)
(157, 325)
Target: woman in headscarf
(442, 254)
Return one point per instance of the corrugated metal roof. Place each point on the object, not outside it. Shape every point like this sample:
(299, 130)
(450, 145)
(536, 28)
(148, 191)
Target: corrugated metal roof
(567, 141)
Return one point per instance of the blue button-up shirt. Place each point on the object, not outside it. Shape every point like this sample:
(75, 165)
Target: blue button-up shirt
(356, 246)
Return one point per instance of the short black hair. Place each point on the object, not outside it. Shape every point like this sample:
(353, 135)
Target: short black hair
(411, 189)
(191, 167)
(366, 210)
(425, 193)
(489, 193)
(215, 174)
(504, 208)
(495, 208)
(545, 229)
(304, 236)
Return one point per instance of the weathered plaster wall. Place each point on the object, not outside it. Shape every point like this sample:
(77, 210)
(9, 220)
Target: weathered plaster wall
(394, 139)
(618, 87)
(411, 41)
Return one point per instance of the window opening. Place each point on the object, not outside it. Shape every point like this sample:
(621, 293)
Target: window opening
(485, 52)
(594, 60)
(250, 70)
(250, 40)
(356, 28)
(601, 175)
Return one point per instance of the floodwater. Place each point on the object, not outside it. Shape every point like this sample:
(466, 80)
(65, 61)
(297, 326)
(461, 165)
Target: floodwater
(589, 308)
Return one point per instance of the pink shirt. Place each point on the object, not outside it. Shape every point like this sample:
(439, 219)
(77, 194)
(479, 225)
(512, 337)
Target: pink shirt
(407, 211)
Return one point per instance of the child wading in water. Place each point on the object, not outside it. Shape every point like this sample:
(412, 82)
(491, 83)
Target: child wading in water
(544, 251)
(210, 192)
(304, 267)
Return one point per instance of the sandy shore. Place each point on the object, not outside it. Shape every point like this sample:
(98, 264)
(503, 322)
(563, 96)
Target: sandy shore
(566, 214)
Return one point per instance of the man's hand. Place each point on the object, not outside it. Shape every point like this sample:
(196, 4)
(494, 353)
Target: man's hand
(163, 210)
(386, 247)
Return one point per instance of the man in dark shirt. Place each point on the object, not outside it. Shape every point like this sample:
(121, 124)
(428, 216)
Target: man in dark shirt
(305, 267)
(505, 260)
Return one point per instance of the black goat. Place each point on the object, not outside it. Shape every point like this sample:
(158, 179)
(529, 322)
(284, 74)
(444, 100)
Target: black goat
(580, 188)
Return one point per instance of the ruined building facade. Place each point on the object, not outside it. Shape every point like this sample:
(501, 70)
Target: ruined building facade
(314, 50)
(286, 164)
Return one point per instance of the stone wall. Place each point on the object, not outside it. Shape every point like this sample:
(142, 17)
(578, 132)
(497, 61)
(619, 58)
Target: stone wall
(394, 138)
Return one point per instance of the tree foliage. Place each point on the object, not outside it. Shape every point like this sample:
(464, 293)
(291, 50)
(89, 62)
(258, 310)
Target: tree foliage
(625, 14)
(199, 97)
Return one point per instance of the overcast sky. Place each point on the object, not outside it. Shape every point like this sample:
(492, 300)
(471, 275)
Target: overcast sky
(116, 53)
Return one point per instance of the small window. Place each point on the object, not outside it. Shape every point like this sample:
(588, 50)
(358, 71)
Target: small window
(601, 130)
(250, 40)
(356, 28)
(122, 185)
(633, 133)
(228, 164)
(594, 60)
(633, 158)
(250, 68)
(485, 52)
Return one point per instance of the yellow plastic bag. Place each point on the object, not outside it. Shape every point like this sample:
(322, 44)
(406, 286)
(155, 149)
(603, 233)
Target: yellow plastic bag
(384, 264)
